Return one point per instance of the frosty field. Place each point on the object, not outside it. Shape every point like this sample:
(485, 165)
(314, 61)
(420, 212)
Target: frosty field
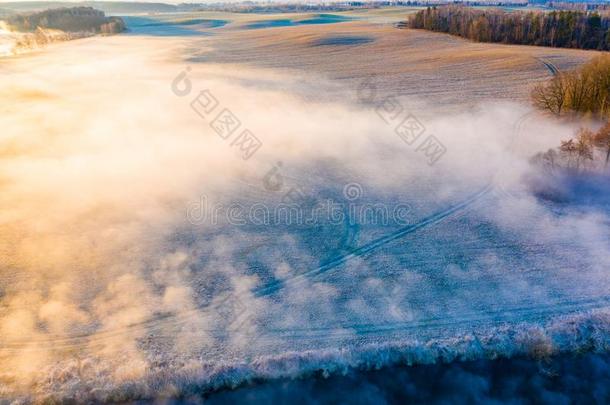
(147, 253)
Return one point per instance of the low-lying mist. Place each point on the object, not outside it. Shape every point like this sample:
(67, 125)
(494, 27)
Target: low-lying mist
(110, 289)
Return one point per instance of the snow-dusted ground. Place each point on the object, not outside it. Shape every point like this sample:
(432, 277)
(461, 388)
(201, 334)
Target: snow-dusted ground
(115, 285)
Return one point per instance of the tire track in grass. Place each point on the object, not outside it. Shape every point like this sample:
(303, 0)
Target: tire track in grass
(374, 244)
(173, 320)
(522, 314)
(550, 66)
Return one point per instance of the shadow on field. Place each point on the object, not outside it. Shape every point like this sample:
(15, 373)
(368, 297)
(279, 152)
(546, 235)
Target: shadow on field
(153, 27)
(343, 40)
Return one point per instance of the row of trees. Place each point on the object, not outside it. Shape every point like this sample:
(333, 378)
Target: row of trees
(584, 91)
(75, 19)
(564, 29)
(581, 92)
(588, 151)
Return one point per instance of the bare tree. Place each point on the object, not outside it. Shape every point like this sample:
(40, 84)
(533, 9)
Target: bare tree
(602, 140)
(548, 160)
(584, 91)
(569, 150)
(578, 153)
(551, 96)
(584, 147)
(578, 90)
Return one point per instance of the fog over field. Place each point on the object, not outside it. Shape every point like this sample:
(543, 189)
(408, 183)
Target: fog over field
(138, 263)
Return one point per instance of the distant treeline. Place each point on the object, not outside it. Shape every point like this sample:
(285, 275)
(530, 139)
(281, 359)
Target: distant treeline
(282, 6)
(580, 6)
(563, 29)
(75, 19)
